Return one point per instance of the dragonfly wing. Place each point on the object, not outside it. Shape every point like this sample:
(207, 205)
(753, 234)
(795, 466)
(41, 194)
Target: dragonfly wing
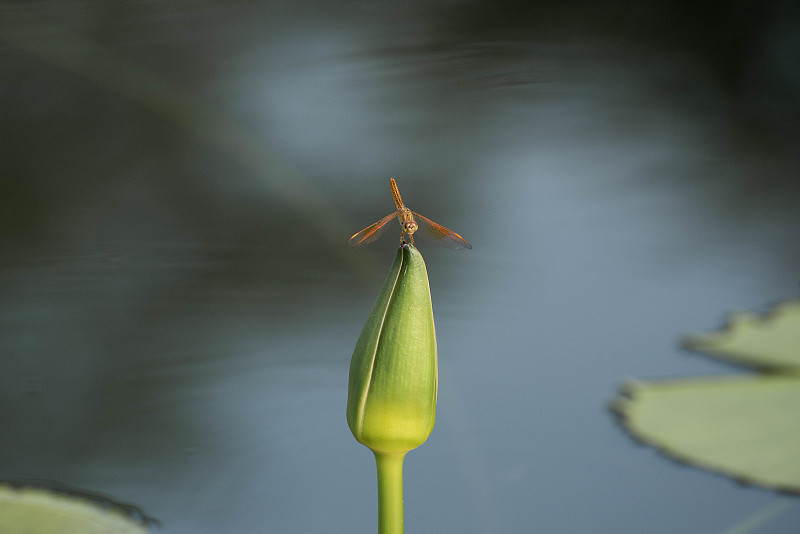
(438, 233)
(371, 232)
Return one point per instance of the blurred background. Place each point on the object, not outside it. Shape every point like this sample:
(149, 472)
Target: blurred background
(178, 305)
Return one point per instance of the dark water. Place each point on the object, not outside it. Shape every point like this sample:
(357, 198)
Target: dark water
(178, 306)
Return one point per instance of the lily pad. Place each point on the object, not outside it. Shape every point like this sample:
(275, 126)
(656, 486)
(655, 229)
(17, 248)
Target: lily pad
(743, 426)
(41, 510)
(770, 341)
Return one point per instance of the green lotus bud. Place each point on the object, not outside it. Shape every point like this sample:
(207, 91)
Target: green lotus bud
(391, 400)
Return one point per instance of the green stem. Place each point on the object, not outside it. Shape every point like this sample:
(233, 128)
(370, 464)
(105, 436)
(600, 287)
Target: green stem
(390, 492)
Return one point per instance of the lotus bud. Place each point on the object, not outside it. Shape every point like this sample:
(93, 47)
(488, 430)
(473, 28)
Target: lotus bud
(391, 400)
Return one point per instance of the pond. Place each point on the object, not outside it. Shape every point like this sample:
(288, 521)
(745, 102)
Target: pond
(179, 304)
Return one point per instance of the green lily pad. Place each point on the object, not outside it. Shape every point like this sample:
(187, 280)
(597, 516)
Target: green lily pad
(743, 426)
(38, 510)
(770, 341)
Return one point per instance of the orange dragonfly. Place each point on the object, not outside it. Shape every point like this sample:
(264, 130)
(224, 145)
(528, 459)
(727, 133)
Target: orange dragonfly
(411, 222)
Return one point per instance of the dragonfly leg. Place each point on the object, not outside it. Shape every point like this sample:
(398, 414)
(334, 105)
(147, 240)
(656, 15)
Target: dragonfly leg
(403, 235)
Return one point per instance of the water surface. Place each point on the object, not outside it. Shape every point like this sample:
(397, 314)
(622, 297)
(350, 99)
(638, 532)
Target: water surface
(179, 306)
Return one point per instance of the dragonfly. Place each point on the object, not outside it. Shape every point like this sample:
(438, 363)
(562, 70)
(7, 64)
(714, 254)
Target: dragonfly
(410, 222)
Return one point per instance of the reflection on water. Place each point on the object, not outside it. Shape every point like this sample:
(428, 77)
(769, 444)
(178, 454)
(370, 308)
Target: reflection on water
(179, 305)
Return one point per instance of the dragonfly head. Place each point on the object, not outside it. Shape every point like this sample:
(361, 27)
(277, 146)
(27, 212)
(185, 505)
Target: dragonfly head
(410, 227)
